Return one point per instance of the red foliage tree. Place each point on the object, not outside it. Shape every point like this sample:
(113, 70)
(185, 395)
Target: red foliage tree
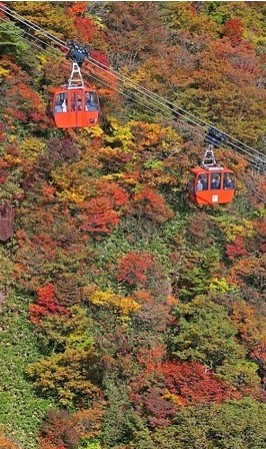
(77, 9)
(87, 30)
(116, 194)
(133, 267)
(236, 249)
(100, 57)
(193, 383)
(250, 271)
(99, 216)
(2, 13)
(158, 411)
(46, 305)
(59, 431)
(26, 107)
(85, 27)
(152, 205)
(163, 387)
(233, 29)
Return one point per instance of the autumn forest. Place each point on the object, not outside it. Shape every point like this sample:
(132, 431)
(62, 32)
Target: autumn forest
(131, 318)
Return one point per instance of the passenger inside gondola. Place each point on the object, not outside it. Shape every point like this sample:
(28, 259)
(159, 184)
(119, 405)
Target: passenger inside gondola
(58, 107)
(60, 102)
(215, 181)
(202, 183)
(228, 181)
(91, 103)
(64, 106)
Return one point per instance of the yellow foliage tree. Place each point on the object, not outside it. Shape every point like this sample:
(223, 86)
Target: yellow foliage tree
(121, 135)
(50, 16)
(123, 305)
(234, 227)
(66, 376)
(31, 148)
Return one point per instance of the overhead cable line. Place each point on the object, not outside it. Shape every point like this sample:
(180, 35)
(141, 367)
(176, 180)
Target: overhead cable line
(254, 156)
(131, 95)
(39, 47)
(165, 103)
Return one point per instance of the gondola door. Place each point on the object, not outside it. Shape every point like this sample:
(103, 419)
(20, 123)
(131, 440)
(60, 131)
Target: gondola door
(80, 108)
(73, 119)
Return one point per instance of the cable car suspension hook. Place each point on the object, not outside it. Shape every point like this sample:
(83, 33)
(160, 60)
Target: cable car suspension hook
(75, 79)
(208, 160)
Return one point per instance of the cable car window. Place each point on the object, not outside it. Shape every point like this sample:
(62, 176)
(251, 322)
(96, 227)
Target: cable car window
(60, 104)
(228, 181)
(202, 183)
(79, 102)
(91, 101)
(215, 181)
(190, 184)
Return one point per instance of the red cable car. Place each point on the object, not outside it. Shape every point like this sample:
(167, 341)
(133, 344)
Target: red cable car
(75, 108)
(211, 184)
(74, 105)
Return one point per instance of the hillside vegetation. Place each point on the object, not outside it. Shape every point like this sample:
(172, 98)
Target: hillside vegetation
(130, 318)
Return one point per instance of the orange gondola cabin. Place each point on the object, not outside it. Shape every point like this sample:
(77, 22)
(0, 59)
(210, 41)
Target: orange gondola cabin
(75, 108)
(211, 184)
(75, 105)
